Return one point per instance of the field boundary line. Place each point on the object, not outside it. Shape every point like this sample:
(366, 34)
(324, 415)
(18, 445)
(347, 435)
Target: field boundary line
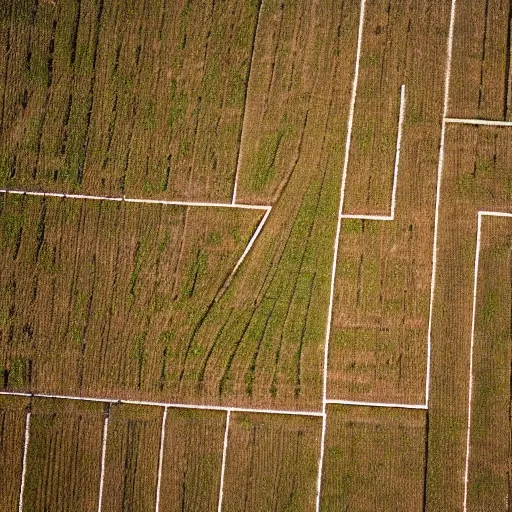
(121, 199)
(481, 122)
(248, 247)
(160, 460)
(103, 457)
(440, 164)
(168, 405)
(350, 122)
(391, 216)
(24, 459)
(223, 466)
(376, 404)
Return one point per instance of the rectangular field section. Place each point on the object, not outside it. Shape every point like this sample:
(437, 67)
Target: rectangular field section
(374, 459)
(131, 464)
(192, 460)
(480, 79)
(272, 463)
(111, 98)
(490, 456)
(64, 453)
(13, 413)
(101, 297)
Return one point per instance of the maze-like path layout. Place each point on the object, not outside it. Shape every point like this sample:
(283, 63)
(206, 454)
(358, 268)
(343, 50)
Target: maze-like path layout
(390, 388)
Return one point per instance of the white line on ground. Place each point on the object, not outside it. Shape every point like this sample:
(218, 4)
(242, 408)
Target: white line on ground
(438, 193)
(169, 405)
(401, 117)
(224, 456)
(136, 200)
(244, 254)
(470, 393)
(494, 214)
(24, 466)
(103, 456)
(398, 147)
(366, 217)
(350, 122)
(482, 122)
(160, 461)
(376, 404)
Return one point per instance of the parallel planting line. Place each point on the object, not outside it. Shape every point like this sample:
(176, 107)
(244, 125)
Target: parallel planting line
(350, 122)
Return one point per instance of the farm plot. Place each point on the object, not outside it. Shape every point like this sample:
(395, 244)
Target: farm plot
(63, 457)
(382, 289)
(192, 458)
(490, 455)
(112, 98)
(272, 463)
(131, 463)
(374, 459)
(99, 297)
(389, 58)
(480, 82)
(477, 176)
(263, 341)
(13, 412)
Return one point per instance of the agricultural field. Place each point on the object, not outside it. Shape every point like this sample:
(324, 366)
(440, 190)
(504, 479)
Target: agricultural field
(271, 463)
(114, 97)
(255, 255)
(54, 480)
(192, 460)
(480, 83)
(108, 289)
(374, 460)
(13, 413)
(131, 461)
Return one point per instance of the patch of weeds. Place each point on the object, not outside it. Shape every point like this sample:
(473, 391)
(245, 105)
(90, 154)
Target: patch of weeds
(214, 238)
(413, 117)
(466, 185)
(483, 166)
(263, 168)
(18, 373)
(139, 353)
(352, 226)
(364, 138)
(197, 351)
(149, 115)
(179, 102)
(196, 272)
